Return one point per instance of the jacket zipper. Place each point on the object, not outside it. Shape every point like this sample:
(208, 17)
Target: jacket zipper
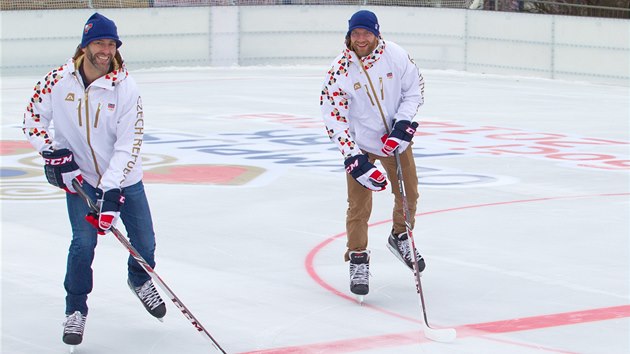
(87, 128)
(368, 93)
(79, 112)
(98, 112)
(378, 103)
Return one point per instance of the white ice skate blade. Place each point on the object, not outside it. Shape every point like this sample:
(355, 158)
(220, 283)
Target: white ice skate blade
(443, 335)
(161, 319)
(71, 349)
(360, 299)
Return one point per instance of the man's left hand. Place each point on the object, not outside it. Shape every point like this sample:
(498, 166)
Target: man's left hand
(109, 203)
(399, 138)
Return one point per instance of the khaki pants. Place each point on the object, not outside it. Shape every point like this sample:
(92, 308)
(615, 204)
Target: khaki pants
(360, 200)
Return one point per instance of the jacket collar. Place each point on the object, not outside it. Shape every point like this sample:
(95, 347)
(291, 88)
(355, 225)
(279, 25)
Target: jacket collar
(109, 80)
(369, 60)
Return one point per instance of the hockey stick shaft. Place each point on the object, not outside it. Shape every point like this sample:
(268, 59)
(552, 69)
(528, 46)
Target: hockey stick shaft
(412, 243)
(440, 335)
(407, 217)
(154, 276)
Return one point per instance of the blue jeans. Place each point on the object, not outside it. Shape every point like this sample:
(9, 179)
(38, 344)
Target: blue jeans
(136, 217)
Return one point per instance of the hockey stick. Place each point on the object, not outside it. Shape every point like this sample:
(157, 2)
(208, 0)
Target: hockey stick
(154, 276)
(439, 335)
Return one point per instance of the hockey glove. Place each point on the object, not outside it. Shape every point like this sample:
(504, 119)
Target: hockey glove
(109, 204)
(399, 138)
(60, 169)
(364, 172)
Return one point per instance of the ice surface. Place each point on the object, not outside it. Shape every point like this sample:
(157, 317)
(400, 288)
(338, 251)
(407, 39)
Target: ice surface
(523, 221)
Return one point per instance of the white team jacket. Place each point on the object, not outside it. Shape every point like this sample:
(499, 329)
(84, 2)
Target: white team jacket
(352, 98)
(103, 124)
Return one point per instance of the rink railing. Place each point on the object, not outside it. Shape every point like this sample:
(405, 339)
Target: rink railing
(510, 43)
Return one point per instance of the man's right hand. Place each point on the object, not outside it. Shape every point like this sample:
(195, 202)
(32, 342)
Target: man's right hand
(364, 172)
(60, 169)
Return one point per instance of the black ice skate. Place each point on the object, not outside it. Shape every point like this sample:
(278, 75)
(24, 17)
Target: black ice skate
(150, 298)
(73, 328)
(399, 246)
(359, 273)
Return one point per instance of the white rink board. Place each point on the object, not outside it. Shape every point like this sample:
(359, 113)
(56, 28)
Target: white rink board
(456, 39)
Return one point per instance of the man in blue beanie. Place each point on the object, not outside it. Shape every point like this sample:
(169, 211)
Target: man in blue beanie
(369, 100)
(366, 20)
(99, 124)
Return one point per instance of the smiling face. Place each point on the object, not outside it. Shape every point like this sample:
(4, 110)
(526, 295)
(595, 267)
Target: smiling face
(362, 41)
(99, 54)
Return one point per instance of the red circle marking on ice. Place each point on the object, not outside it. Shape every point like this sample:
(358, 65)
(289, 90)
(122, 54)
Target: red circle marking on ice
(470, 330)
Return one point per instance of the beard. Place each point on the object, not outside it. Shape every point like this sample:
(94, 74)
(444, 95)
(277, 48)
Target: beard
(100, 65)
(366, 50)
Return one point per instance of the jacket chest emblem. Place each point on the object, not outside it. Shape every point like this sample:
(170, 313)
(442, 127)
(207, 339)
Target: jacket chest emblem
(70, 97)
(111, 106)
(357, 86)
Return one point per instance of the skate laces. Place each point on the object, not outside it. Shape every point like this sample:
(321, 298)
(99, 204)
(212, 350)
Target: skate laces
(403, 246)
(359, 273)
(149, 295)
(74, 323)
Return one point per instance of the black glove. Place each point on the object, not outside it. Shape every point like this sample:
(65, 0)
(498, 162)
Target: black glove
(399, 138)
(364, 172)
(109, 204)
(60, 169)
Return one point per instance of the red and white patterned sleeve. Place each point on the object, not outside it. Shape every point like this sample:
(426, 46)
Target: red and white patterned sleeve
(334, 108)
(38, 114)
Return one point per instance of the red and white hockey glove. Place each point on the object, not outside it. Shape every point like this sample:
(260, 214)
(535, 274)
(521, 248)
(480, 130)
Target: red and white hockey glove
(60, 169)
(399, 138)
(364, 172)
(109, 204)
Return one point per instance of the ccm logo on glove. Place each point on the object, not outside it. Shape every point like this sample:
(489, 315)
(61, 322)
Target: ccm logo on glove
(60, 169)
(60, 160)
(364, 172)
(399, 138)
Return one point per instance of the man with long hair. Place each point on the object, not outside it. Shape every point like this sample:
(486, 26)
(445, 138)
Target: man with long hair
(98, 132)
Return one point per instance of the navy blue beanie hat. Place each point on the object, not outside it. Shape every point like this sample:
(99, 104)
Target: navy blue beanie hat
(364, 19)
(99, 27)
